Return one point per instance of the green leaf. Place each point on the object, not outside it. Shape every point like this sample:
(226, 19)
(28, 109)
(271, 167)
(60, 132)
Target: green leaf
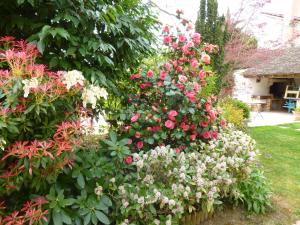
(65, 218)
(113, 137)
(123, 116)
(106, 200)
(56, 216)
(87, 219)
(102, 217)
(63, 33)
(41, 46)
(80, 180)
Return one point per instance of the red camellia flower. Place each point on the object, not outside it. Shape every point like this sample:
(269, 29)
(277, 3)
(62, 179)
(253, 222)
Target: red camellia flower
(135, 76)
(182, 78)
(137, 134)
(135, 118)
(129, 141)
(162, 75)
(128, 160)
(167, 39)
(194, 63)
(204, 124)
(205, 58)
(184, 126)
(206, 135)
(140, 145)
(214, 135)
(193, 137)
(223, 124)
(169, 124)
(150, 74)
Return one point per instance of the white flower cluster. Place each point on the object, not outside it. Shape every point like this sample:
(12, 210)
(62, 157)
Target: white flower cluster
(180, 183)
(2, 143)
(91, 94)
(28, 84)
(72, 78)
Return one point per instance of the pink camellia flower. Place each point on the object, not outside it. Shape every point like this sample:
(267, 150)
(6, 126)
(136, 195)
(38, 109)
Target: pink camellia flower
(204, 124)
(166, 29)
(191, 96)
(142, 86)
(212, 115)
(223, 124)
(162, 75)
(129, 141)
(196, 38)
(135, 117)
(169, 124)
(135, 76)
(128, 160)
(194, 63)
(214, 135)
(193, 127)
(140, 144)
(182, 78)
(196, 86)
(205, 58)
(177, 150)
(167, 66)
(206, 135)
(184, 126)
(193, 137)
(172, 115)
(167, 40)
(180, 86)
(160, 83)
(155, 129)
(179, 69)
(174, 45)
(185, 49)
(207, 107)
(150, 74)
(190, 44)
(137, 134)
(201, 74)
(182, 38)
(189, 26)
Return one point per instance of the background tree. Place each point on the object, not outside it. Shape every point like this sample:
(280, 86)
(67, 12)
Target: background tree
(104, 39)
(212, 28)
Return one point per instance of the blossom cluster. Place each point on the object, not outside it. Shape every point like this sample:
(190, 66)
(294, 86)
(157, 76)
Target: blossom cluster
(175, 183)
(170, 107)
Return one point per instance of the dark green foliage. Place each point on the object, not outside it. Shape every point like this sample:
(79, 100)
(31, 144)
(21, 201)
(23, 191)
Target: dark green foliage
(255, 193)
(213, 30)
(104, 39)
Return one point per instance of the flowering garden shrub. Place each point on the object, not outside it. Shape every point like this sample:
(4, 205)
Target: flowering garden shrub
(40, 127)
(170, 108)
(190, 181)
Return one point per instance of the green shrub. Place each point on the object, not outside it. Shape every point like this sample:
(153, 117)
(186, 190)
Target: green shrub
(239, 105)
(255, 193)
(233, 115)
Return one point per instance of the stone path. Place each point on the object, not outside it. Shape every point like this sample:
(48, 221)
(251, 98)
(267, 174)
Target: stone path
(297, 222)
(270, 118)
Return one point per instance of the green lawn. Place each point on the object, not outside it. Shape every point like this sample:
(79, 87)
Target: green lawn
(280, 155)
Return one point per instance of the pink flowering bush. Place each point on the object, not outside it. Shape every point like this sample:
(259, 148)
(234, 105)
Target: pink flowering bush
(169, 108)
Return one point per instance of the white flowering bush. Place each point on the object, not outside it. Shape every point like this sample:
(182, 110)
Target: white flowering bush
(168, 184)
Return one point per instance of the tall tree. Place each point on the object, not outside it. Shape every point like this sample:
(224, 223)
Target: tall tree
(212, 28)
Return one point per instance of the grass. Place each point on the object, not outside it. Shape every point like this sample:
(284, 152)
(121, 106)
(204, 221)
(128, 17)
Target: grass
(280, 156)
